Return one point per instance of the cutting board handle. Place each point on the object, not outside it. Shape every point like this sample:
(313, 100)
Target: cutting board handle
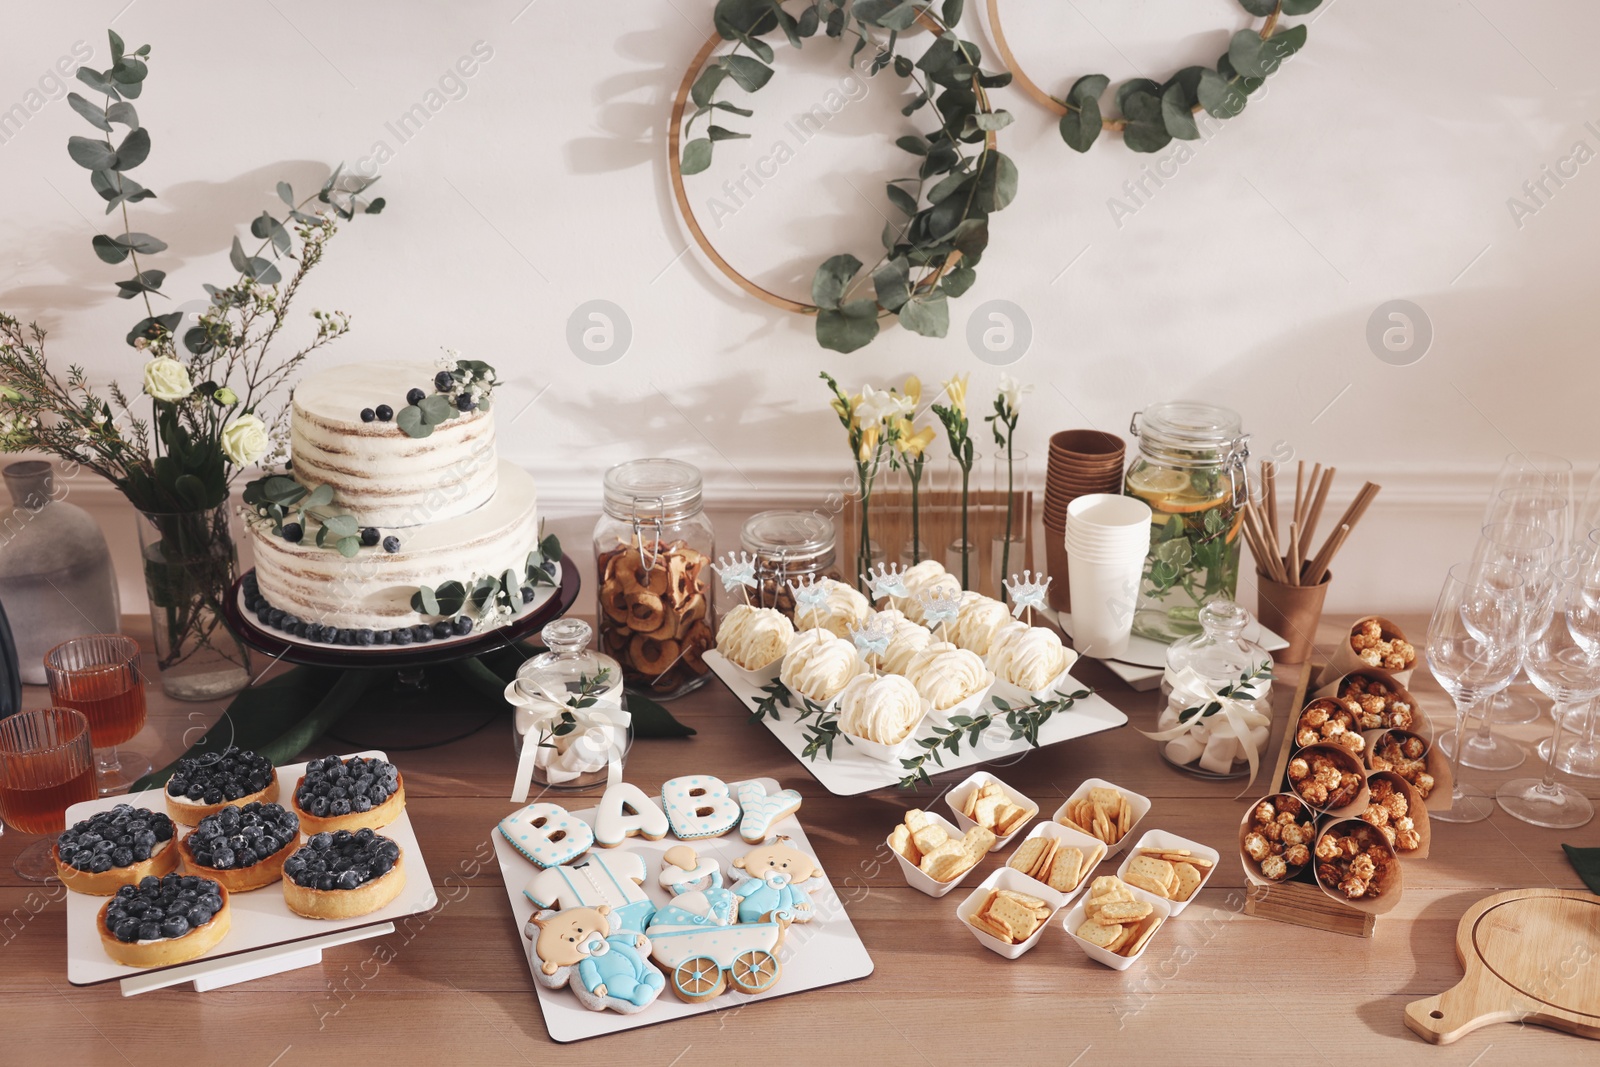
(1452, 1015)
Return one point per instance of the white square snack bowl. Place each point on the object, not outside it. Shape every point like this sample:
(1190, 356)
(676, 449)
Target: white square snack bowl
(1163, 839)
(1138, 805)
(1016, 881)
(759, 678)
(1062, 682)
(920, 881)
(1067, 836)
(891, 754)
(957, 799)
(1075, 919)
(969, 706)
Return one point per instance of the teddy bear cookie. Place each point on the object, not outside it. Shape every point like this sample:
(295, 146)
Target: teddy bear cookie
(770, 890)
(606, 969)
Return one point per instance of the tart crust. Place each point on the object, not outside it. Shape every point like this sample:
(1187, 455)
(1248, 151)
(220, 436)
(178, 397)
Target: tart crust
(240, 879)
(166, 952)
(379, 816)
(190, 812)
(106, 883)
(347, 903)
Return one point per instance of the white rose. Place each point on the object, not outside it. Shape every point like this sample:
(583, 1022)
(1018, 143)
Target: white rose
(167, 379)
(245, 440)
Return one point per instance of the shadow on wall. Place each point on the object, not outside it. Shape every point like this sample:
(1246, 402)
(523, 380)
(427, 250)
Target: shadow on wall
(197, 219)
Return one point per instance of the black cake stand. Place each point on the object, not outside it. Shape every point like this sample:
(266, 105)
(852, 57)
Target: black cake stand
(407, 697)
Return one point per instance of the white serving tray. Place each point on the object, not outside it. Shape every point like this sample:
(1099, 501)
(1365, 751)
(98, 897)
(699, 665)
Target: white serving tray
(850, 773)
(265, 936)
(823, 952)
(1146, 661)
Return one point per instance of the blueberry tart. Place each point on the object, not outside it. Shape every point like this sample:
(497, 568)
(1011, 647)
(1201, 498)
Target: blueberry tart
(114, 848)
(347, 794)
(204, 785)
(162, 921)
(243, 848)
(343, 874)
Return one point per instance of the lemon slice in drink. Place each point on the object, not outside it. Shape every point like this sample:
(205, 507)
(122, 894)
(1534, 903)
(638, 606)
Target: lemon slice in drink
(1153, 483)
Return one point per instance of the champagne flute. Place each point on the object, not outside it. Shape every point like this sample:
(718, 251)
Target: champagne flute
(99, 676)
(1474, 650)
(1564, 662)
(46, 766)
(1529, 551)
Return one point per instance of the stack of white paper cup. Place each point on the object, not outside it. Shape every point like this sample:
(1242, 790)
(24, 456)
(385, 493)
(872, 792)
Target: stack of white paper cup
(1108, 537)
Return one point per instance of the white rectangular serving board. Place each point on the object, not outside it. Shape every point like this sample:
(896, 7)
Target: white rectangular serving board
(260, 917)
(1146, 660)
(850, 772)
(823, 952)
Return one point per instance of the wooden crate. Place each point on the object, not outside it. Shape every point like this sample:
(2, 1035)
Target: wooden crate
(1300, 901)
(940, 524)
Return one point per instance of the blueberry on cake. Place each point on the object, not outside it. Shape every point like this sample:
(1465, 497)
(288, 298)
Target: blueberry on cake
(244, 847)
(204, 785)
(347, 794)
(342, 875)
(114, 848)
(162, 921)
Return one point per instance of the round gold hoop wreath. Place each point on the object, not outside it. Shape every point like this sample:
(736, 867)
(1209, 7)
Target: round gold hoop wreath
(680, 194)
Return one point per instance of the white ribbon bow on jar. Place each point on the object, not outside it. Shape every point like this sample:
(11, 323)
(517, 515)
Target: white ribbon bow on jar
(1224, 716)
(590, 744)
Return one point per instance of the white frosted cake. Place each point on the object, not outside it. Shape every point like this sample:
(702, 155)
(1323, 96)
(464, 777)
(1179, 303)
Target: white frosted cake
(395, 511)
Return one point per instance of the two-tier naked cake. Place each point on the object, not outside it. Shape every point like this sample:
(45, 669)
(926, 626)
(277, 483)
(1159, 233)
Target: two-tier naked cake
(395, 521)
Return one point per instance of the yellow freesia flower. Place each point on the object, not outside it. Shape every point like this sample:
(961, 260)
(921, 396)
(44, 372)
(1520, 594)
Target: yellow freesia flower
(913, 391)
(914, 443)
(956, 389)
(846, 412)
(869, 444)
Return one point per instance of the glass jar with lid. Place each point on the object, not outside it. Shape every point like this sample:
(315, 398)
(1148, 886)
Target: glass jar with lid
(1191, 471)
(788, 546)
(653, 548)
(569, 725)
(1218, 686)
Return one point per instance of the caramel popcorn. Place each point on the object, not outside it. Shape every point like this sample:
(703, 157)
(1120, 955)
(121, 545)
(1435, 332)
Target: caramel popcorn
(1280, 830)
(1333, 721)
(1375, 704)
(1404, 754)
(1376, 650)
(1357, 862)
(1323, 781)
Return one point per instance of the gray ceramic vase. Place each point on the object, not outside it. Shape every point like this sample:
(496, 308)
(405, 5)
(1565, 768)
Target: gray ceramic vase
(56, 580)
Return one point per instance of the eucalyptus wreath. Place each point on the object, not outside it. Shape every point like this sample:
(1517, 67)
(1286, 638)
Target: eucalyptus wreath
(941, 228)
(1155, 113)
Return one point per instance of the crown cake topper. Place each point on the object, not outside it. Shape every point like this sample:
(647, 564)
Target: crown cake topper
(1027, 592)
(885, 580)
(737, 572)
(809, 595)
(940, 609)
(872, 638)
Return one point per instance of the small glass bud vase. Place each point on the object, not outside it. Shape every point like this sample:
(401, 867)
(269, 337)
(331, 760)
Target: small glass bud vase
(570, 725)
(1217, 686)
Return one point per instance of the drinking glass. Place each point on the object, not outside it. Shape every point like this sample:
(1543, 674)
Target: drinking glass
(99, 676)
(1527, 550)
(1474, 650)
(1582, 756)
(46, 766)
(1532, 470)
(1544, 509)
(1564, 662)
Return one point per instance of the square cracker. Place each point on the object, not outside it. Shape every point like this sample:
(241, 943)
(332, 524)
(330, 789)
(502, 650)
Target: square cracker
(1029, 854)
(1189, 879)
(1124, 911)
(1066, 870)
(1099, 935)
(900, 841)
(1016, 917)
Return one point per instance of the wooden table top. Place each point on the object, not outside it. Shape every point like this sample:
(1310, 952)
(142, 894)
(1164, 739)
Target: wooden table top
(1215, 984)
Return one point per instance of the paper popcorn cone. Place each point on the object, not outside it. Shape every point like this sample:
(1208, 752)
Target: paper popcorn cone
(1348, 763)
(1420, 724)
(1440, 794)
(1248, 825)
(1345, 658)
(1389, 880)
(1417, 812)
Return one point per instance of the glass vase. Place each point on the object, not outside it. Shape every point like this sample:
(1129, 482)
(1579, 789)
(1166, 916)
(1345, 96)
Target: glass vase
(189, 567)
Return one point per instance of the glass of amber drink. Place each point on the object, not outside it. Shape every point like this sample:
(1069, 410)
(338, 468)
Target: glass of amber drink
(46, 766)
(99, 676)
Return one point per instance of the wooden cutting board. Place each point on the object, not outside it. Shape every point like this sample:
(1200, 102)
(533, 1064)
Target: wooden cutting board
(1530, 955)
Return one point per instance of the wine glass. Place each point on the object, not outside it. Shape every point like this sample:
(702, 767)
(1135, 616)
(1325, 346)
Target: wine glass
(1564, 662)
(1532, 470)
(1542, 509)
(1474, 650)
(99, 676)
(1528, 551)
(46, 766)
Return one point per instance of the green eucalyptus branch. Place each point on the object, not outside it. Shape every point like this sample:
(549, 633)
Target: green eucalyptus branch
(1024, 720)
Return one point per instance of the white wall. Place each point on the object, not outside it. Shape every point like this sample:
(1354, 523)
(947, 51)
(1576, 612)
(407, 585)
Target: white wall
(1377, 165)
